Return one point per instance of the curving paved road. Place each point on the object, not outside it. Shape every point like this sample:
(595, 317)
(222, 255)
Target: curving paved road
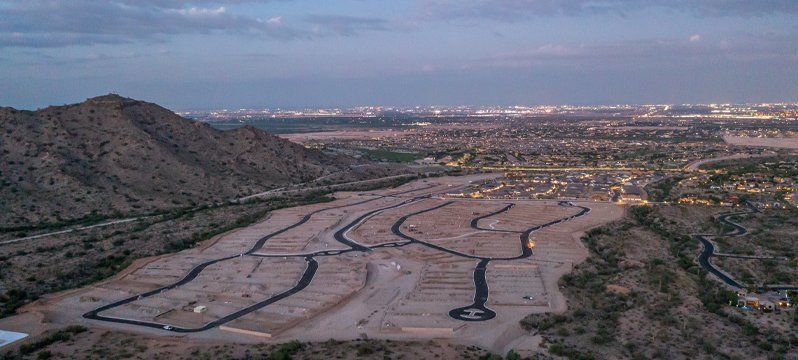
(475, 221)
(474, 312)
(704, 259)
(709, 248)
(477, 311)
(341, 237)
(307, 277)
(301, 284)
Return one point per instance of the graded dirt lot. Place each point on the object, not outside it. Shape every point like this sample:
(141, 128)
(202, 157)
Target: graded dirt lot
(343, 134)
(783, 142)
(407, 263)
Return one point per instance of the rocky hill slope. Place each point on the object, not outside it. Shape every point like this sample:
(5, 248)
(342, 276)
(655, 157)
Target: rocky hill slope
(113, 155)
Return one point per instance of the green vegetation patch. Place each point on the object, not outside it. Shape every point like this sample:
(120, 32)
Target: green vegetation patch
(58, 336)
(641, 295)
(786, 166)
(393, 156)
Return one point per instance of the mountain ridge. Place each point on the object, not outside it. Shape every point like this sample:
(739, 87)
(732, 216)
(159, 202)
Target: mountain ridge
(112, 154)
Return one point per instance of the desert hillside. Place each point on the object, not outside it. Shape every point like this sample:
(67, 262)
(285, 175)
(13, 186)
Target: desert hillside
(111, 154)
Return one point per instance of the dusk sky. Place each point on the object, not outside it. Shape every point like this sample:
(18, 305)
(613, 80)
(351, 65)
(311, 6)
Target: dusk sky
(229, 54)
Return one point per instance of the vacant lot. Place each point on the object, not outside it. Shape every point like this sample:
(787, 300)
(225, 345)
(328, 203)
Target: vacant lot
(784, 143)
(386, 264)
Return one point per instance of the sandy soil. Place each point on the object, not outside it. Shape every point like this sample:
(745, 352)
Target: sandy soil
(783, 143)
(353, 134)
(399, 293)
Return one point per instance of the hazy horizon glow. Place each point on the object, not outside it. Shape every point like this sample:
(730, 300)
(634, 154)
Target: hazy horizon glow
(207, 54)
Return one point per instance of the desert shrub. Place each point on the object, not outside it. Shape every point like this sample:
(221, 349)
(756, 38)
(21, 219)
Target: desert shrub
(58, 336)
(542, 322)
(11, 300)
(512, 355)
(559, 349)
(287, 350)
(364, 349)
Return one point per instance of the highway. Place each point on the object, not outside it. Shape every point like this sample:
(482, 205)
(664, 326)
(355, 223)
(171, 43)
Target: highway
(81, 228)
(696, 165)
(571, 168)
(266, 194)
(305, 189)
(476, 311)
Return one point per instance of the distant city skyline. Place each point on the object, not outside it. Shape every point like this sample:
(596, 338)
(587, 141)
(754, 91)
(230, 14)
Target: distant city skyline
(210, 54)
(471, 108)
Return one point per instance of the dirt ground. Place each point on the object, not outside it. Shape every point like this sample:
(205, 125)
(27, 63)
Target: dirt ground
(784, 143)
(399, 293)
(641, 295)
(105, 344)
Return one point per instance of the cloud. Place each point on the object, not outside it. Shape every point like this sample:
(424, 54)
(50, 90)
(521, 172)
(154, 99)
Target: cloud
(652, 52)
(194, 11)
(46, 23)
(47, 40)
(276, 21)
(345, 25)
(39, 58)
(514, 10)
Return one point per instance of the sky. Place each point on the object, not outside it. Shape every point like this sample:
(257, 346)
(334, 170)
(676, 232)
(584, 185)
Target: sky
(208, 54)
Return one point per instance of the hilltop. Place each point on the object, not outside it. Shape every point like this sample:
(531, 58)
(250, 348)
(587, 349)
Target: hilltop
(115, 155)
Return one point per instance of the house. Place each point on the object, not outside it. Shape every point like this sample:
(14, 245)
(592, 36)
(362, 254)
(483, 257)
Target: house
(631, 193)
(749, 302)
(766, 302)
(599, 196)
(784, 300)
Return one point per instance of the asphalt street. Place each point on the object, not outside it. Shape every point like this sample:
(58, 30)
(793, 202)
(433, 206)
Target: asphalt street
(704, 259)
(477, 311)
(474, 312)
